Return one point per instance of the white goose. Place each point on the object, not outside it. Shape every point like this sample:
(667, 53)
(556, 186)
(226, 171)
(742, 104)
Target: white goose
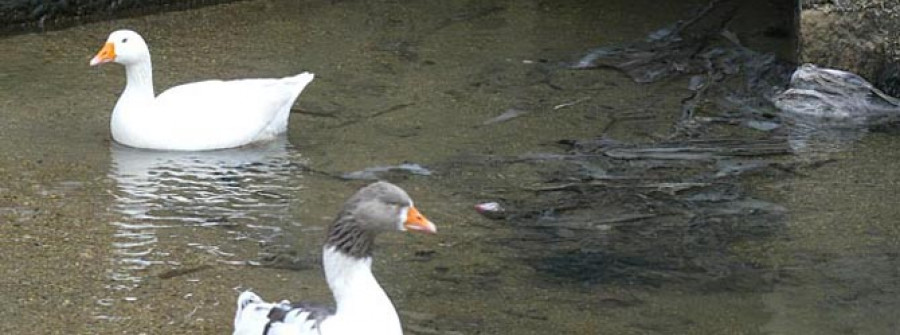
(362, 305)
(203, 115)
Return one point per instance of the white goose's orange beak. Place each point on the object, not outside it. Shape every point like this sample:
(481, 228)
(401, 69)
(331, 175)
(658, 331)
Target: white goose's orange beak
(417, 222)
(105, 55)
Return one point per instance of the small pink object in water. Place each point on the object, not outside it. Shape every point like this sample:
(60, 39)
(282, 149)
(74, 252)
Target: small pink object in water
(492, 210)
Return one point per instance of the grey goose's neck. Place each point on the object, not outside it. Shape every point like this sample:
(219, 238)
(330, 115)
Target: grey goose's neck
(346, 236)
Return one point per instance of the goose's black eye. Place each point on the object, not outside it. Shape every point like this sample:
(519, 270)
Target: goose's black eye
(124, 40)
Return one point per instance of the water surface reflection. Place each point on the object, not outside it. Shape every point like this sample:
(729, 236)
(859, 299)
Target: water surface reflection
(195, 205)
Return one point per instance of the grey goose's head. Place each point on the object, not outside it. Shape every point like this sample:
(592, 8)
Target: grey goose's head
(376, 208)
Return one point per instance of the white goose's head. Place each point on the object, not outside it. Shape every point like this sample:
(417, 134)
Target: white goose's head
(376, 208)
(124, 47)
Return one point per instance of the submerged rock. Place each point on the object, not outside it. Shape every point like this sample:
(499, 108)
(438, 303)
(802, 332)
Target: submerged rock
(724, 76)
(379, 172)
(836, 97)
(668, 51)
(509, 114)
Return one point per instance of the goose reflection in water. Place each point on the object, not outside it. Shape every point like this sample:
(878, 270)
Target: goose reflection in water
(174, 202)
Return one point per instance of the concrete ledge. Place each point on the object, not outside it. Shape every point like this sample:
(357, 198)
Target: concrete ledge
(854, 35)
(18, 16)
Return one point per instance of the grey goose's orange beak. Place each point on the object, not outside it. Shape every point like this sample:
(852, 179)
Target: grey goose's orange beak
(417, 222)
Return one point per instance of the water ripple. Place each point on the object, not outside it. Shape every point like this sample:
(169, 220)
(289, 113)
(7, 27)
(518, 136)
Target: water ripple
(172, 203)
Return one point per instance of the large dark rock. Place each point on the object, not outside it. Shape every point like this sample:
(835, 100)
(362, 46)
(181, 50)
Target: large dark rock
(35, 15)
(858, 36)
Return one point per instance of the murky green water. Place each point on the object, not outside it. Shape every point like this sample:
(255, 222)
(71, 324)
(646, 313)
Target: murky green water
(98, 238)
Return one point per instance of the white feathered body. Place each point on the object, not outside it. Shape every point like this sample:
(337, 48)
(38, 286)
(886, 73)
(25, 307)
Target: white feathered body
(207, 115)
(362, 305)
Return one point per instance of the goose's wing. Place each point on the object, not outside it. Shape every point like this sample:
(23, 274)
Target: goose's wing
(226, 103)
(255, 316)
(219, 114)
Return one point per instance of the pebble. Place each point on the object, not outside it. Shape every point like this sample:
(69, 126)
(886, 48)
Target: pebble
(491, 210)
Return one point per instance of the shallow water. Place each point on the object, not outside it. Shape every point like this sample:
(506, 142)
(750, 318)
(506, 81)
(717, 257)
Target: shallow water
(99, 238)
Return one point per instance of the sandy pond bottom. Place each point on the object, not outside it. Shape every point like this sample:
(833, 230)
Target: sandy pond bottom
(100, 239)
